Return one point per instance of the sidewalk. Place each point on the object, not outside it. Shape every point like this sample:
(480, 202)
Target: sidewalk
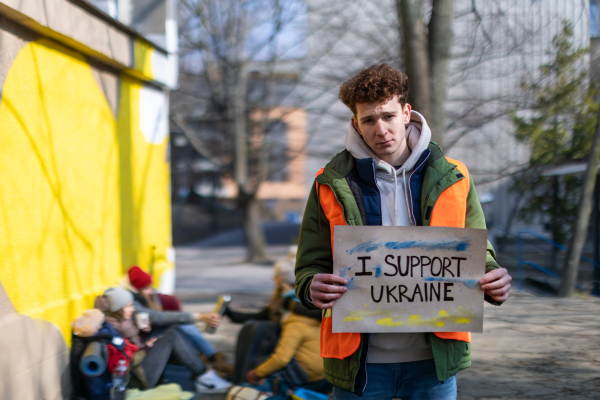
(531, 348)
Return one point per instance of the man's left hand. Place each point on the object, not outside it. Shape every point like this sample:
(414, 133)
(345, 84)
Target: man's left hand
(496, 284)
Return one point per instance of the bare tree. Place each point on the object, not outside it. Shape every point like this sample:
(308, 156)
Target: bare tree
(222, 43)
(426, 55)
(580, 228)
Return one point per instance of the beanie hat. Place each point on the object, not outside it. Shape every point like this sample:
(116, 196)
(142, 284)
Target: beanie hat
(117, 298)
(138, 278)
(284, 268)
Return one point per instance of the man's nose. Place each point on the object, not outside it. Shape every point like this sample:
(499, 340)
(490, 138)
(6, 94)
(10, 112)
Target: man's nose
(380, 128)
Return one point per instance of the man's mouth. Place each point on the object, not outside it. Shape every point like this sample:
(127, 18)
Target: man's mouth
(385, 143)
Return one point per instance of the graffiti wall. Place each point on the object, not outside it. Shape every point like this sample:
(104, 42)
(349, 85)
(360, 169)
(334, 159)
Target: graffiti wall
(84, 194)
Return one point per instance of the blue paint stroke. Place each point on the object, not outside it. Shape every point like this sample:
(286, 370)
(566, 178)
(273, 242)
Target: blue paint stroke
(343, 272)
(378, 271)
(470, 283)
(350, 284)
(364, 247)
(442, 244)
(449, 244)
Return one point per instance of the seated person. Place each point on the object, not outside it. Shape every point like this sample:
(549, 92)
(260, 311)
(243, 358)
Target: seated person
(278, 304)
(148, 301)
(150, 356)
(296, 360)
(259, 336)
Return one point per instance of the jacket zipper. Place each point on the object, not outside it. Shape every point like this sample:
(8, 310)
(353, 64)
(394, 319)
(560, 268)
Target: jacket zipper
(412, 206)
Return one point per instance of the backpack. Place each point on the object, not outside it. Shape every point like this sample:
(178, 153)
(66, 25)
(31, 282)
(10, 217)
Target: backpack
(92, 387)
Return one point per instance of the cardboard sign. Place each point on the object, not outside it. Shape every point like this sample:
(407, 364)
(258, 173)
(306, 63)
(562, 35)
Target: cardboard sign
(409, 279)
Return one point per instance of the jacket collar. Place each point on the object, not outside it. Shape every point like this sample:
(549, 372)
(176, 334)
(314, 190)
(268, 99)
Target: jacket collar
(342, 163)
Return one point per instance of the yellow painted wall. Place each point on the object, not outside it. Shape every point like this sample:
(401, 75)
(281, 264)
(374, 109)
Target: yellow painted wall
(83, 193)
(142, 58)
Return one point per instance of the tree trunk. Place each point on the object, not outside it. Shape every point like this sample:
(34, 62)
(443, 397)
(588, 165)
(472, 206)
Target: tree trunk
(249, 205)
(414, 54)
(239, 126)
(247, 201)
(571, 267)
(440, 38)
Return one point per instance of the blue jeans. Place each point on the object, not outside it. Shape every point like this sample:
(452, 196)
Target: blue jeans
(192, 332)
(415, 380)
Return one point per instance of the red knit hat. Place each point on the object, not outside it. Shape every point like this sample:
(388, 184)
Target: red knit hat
(138, 278)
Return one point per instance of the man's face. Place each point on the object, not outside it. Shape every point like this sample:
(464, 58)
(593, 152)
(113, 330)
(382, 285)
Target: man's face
(382, 127)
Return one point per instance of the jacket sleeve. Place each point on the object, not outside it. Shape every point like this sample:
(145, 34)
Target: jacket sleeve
(159, 319)
(476, 219)
(238, 317)
(297, 308)
(315, 255)
(289, 342)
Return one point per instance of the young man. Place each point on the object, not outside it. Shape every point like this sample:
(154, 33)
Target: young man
(390, 174)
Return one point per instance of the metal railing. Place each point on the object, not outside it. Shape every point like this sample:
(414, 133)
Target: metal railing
(521, 262)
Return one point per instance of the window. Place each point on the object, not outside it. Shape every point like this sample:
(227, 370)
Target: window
(278, 152)
(594, 19)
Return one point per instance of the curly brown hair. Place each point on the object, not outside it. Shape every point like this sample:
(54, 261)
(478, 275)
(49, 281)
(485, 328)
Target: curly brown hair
(377, 83)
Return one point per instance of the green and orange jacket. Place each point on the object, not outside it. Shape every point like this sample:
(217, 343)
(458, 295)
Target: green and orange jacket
(443, 195)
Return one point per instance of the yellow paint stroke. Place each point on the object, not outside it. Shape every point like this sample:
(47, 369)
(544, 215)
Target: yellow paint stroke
(358, 315)
(391, 318)
(388, 322)
(350, 319)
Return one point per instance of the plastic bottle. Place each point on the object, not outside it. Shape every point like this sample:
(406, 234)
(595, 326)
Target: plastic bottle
(120, 378)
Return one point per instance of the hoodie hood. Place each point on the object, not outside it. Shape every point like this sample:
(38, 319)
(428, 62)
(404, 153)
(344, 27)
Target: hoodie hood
(418, 136)
(393, 184)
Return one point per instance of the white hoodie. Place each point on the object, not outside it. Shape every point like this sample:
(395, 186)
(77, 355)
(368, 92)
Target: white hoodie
(396, 210)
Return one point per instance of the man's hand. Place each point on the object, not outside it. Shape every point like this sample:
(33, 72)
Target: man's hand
(496, 284)
(324, 291)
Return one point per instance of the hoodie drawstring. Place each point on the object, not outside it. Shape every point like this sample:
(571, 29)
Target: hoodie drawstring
(406, 198)
(395, 198)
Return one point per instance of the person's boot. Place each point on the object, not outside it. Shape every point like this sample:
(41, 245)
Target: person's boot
(221, 366)
(219, 363)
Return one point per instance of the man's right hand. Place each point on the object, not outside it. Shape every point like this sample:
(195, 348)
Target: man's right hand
(325, 289)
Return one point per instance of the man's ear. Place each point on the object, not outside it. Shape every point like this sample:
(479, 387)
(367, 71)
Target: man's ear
(355, 125)
(406, 113)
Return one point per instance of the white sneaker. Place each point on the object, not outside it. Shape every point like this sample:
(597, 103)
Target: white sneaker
(210, 382)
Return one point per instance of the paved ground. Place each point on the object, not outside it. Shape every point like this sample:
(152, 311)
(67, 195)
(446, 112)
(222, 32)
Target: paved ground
(531, 348)
(202, 274)
(536, 348)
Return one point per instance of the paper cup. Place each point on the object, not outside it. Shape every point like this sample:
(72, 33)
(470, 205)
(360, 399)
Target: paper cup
(142, 320)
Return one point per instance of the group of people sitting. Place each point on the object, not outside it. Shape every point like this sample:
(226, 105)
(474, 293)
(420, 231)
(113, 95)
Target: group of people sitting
(277, 349)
